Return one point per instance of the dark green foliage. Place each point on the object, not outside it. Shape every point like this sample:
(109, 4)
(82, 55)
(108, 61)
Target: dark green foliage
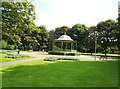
(4, 44)
(61, 31)
(118, 35)
(56, 52)
(51, 59)
(42, 38)
(107, 35)
(17, 22)
(20, 32)
(7, 46)
(107, 32)
(77, 33)
(62, 58)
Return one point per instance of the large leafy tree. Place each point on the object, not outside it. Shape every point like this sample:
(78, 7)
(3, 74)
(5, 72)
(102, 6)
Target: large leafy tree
(118, 28)
(51, 39)
(107, 34)
(27, 37)
(78, 33)
(55, 34)
(89, 41)
(17, 18)
(61, 31)
(43, 37)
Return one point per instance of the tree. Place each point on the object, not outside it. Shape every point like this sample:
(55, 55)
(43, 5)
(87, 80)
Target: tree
(55, 34)
(78, 33)
(51, 39)
(90, 39)
(107, 34)
(17, 18)
(118, 29)
(60, 31)
(43, 38)
(28, 38)
(4, 44)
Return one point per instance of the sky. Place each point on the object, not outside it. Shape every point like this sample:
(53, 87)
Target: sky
(57, 13)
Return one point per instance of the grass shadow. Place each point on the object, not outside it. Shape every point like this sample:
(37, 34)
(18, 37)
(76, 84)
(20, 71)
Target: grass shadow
(62, 74)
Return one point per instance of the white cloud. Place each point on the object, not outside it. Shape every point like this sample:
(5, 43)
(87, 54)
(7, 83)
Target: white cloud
(70, 12)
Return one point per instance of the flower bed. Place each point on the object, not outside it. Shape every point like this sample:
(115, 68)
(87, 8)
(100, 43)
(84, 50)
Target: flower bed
(16, 56)
(61, 58)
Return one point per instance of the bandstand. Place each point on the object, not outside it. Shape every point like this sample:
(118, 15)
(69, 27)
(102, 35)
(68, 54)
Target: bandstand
(65, 43)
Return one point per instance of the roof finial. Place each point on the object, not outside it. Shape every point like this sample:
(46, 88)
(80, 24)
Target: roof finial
(64, 33)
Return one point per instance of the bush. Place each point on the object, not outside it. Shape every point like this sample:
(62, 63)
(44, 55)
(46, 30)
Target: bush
(51, 59)
(67, 58)
(56, 52)
(10, 47)
(73, 53)
(55, 59)
(4, 44)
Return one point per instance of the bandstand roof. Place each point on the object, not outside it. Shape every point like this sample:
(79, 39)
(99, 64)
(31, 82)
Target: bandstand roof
(64, 38)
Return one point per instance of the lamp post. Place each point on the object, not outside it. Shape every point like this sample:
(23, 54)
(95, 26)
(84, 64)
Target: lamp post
(93, 35)
(95, 43)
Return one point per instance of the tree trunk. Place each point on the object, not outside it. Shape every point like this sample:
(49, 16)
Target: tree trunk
(91, 53)
(38, 47)
(24, 47)
(105, 49)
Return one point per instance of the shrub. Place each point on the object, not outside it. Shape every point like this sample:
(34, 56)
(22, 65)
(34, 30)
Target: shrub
(62, 58)
(73, 53)
(10, 47)
(56, 52)
(4, 44)
(67, 58)
(51, 59)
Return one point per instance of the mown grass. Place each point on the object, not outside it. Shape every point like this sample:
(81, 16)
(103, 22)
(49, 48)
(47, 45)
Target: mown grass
(62, 74)
(4, 59)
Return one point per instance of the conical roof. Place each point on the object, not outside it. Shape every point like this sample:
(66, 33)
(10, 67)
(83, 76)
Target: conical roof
(64, 38)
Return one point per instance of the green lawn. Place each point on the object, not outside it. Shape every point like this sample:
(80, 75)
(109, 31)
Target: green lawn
(62, 74)
(3, 59)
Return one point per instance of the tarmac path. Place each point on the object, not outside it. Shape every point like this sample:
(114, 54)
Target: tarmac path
(43, 55)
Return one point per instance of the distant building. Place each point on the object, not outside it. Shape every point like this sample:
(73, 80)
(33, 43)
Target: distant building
(119, 7)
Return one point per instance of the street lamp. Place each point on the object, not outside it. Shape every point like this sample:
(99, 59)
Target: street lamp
(95, 43)
(94, 35)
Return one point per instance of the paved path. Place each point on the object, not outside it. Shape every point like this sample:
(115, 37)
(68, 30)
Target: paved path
(41, 56)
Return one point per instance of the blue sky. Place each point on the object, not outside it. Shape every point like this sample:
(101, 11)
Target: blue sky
(57, 13)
